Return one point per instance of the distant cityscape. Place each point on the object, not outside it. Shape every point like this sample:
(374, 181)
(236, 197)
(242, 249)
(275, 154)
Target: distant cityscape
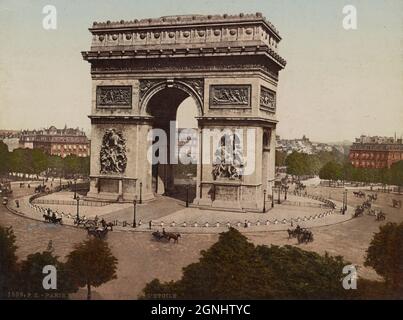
(53, 141)
(304, 145)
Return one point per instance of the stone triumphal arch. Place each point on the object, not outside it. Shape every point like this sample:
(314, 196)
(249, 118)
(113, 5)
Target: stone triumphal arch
(142, 70)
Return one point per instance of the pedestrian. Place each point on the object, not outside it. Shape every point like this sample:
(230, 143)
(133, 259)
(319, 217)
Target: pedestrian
(246, 224)
(17, 203)
(150, 224)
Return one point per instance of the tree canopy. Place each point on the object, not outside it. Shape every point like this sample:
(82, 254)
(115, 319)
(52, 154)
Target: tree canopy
(8, 260)
(91, 263)
(385, 254)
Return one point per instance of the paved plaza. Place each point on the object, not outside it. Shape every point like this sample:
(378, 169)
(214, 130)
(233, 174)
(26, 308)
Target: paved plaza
(174, 216)
(141, 259)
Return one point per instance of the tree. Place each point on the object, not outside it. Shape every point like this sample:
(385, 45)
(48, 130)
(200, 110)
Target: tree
(4, 158)
(280, 158)
(331, 171)
(385, 255)
(31, 275)
(234, 268)
(8, 260)
(303, 274)
(297, 164)
(396, 173)
(39, 161)
(91, 263)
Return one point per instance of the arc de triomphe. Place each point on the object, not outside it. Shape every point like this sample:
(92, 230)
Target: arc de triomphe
(142, 70)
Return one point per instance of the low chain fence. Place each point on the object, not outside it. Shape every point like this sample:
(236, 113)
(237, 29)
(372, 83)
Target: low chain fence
(240, 224)
(150, 224)
(326, 202)
(72, 202)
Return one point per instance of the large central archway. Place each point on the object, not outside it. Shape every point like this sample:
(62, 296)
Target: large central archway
(173, 178)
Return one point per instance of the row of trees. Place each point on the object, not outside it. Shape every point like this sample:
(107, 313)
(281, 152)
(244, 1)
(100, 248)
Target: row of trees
(335, 166)
(234, 268)
(90, 264)
(302, 164)
(337, 171)
(35, 161)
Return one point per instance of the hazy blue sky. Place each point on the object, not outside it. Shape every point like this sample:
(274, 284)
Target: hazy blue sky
(337, 85)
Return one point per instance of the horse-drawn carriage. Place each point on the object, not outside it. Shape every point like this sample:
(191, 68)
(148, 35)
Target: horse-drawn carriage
(377, 213)
(97, 232)
(359, 211)
(359, 194)
(396, 203)
(52, 218)
(303, 235)
(42, 189)
(95, 228)
(167, 236)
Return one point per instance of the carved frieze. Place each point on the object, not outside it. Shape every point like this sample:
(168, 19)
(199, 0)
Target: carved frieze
(230, 96)
(114, 96)
(197, 85)
(267, 99)
(147, 84)
(113, 152)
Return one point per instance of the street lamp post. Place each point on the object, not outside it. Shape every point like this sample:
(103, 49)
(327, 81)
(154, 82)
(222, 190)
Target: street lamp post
(189, 175)
(134, 213)
(78, 208)
(272, 197)
(345, 201)
(141, 197)
(75, 188)
(264, 200)
(187, 195)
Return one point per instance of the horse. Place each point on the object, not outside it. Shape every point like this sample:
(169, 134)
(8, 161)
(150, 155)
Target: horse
(170, 235)
(305, 236)
(79, 221)
(107, 224)
(292, 233)
(359, 211)
(51, 219)
(380, 216)
(396, 203)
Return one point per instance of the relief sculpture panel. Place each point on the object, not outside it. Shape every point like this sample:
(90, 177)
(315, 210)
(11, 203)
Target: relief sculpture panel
(234, 96)
(114, 96)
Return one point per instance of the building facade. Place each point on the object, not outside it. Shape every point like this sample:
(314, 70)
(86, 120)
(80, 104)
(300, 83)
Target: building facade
(59, 142)
(375, 152)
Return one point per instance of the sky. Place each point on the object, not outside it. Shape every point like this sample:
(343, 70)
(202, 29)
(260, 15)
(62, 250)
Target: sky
(337, 84)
